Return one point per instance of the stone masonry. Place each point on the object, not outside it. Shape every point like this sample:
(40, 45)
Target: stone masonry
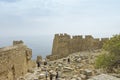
(63, 45)
(15, 61)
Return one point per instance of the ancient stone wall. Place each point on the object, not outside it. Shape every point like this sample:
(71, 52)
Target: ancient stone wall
(61, 44)
(64, 44)
(14, 61)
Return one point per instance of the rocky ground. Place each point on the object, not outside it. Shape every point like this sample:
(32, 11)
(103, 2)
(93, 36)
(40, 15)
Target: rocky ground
(80, 67)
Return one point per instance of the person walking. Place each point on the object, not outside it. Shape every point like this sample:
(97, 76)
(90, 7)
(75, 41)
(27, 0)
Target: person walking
(38, 64)
(56, 75)
(69, 60)
(46, 74)
(51, 76)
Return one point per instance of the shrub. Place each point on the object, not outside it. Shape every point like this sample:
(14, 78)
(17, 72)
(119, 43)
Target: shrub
(109, 60)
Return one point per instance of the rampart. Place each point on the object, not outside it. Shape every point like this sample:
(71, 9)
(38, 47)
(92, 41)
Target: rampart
(15, 61)
(64, 44)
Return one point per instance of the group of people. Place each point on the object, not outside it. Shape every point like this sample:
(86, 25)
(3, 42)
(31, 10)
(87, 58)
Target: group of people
(47, 73)
(39, 63)
(51, 75)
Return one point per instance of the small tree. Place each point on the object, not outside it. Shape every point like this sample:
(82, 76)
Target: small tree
(113, 45)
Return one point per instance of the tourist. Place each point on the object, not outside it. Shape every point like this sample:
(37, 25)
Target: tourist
(56, 75)
(51, 76)
(45, 62)
(38, 64)
(46, 74)
(69, 60)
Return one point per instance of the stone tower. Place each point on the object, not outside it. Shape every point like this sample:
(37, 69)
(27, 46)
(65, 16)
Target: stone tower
(61, 45)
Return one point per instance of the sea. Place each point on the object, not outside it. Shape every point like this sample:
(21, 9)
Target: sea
(40, 45)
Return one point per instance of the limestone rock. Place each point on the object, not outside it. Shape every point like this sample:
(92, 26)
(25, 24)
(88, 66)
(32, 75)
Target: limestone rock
(67, 69)
(60, 65)
(80, 65)
(116, 75)
(88, 72)
(41, 76)
(104, 77)
(79, 60)
(83, 77)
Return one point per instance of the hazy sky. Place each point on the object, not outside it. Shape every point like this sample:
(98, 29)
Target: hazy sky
(44, 17)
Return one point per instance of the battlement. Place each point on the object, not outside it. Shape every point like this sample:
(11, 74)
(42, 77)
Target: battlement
(18, 42)
(97, 39)
(88, 37)
(77, 37)
(62, 36)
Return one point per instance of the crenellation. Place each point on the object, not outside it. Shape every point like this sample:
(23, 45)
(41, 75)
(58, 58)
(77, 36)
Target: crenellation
(64, 45)
(88, 37)
(56, 35)
(97, 39)
(61, 35)
(18, 42)
(77, 37)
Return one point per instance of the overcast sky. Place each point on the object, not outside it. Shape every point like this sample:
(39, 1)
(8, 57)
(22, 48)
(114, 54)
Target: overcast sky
(44, 17)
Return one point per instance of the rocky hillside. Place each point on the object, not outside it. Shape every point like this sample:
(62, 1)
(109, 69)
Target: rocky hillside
(79, 67)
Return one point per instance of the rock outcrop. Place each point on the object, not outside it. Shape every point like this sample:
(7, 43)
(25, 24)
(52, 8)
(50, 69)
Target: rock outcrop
(15, 61)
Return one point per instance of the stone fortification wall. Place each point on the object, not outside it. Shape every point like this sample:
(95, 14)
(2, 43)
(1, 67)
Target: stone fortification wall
(14, 61)
(64, 44)
(61, 42)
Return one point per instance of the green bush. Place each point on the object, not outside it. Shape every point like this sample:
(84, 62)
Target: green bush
(108, 60)
(104, 60)
(113, 45)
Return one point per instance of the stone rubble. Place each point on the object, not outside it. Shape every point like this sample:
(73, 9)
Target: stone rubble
(79, 68)
(104, 77)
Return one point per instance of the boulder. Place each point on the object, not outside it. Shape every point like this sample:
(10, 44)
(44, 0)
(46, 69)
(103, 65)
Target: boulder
(83, 77)
(67, 69)
(78, 78)
(60, 65)
(116, 75)
(73, 79)
(80, 65)
(78, 60)
(30, 70)
(41, 76)
(104, 77)
(81, 71)
(88, 72)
